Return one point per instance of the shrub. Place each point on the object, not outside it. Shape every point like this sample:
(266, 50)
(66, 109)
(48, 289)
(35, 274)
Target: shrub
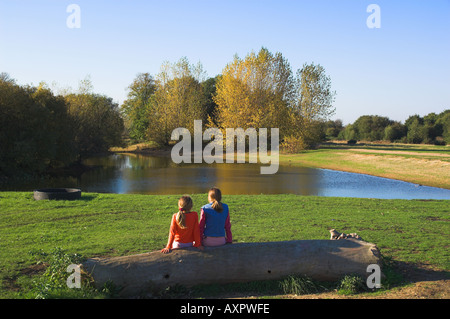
(53, 283)
(293, 144)
(299, 285)
(351, 284)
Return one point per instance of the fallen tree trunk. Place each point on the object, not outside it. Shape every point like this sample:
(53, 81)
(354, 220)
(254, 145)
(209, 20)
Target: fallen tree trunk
(325, 260)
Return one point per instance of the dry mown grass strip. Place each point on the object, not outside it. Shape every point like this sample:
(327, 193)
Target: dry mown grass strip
(416, 170)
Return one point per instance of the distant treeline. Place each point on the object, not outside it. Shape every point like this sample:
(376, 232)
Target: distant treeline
(40, 131)
(431, 129)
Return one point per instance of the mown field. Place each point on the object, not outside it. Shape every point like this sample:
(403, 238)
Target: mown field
(409, 232)
(422, 164)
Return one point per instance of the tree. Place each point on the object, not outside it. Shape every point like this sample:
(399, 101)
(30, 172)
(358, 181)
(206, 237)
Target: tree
(312, 103)
(255, 92)
(179, 99)
(444, 122)
(5, 77)
(348, 133)
(432, 129)
(409, 121)
(416, 132)
(260, 91)
(35, 129)
(96, 121)
(209, 90)
(371, 127)
(55, 139)
(430, 119)
(137, 107)
(333, 129)
(394, 132)
(40, 130)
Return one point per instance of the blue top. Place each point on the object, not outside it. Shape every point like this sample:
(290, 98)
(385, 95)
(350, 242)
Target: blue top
(214, 221)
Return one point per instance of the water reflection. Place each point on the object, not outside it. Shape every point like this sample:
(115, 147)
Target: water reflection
(133, 173)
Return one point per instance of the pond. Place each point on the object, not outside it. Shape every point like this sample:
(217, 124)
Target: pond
(141, 174)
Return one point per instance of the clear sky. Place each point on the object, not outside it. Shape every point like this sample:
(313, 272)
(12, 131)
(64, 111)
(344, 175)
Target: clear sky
(397, 70)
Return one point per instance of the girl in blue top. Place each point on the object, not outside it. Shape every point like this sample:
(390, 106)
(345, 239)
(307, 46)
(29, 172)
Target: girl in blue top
(215, 226)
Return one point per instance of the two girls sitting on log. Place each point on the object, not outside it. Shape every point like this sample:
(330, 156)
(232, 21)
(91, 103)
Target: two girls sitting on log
(214, 228)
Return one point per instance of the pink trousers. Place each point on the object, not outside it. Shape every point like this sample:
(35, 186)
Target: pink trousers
(177, 244)
(214, 241)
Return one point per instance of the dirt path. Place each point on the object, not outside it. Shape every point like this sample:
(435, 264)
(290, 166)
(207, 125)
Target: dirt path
(439, 289)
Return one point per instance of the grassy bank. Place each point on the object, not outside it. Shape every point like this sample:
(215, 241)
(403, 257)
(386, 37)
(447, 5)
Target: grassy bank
(408, 231)
(421, 164)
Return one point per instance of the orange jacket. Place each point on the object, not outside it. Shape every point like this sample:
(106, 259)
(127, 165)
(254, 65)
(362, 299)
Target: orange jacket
(185, 235)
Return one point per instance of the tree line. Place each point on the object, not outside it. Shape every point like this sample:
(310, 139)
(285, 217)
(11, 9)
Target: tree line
(430, 129)
(40, 131)
(258, 91)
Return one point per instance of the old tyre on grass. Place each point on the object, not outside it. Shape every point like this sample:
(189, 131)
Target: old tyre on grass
(57, 193)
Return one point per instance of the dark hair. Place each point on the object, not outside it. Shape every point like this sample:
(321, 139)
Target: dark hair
(216, 196)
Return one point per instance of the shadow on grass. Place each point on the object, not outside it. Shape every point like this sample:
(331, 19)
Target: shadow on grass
(411, 273)
(87, 197)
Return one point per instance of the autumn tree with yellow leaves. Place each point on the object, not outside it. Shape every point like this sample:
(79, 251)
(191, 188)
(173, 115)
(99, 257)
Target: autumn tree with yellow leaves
(261, 91)
(178, 100)
(254, 92)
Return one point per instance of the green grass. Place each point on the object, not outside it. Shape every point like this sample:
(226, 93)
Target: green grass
(408, 231)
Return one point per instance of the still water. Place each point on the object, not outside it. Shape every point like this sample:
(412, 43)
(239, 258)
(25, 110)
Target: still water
(131, 173)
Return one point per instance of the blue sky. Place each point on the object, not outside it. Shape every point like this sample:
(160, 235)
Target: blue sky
(400, 69)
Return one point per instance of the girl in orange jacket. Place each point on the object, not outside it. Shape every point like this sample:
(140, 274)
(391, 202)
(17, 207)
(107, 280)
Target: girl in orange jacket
(184, 228)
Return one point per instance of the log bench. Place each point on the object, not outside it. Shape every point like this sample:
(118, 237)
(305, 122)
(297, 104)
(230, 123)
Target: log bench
(322, 260)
